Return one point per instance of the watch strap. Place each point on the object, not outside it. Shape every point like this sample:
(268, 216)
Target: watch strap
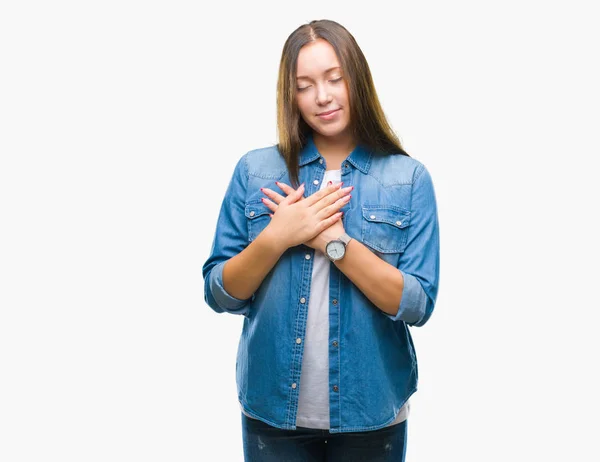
(345, 238)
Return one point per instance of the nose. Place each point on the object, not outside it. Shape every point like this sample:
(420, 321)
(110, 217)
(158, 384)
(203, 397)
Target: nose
(323, 97)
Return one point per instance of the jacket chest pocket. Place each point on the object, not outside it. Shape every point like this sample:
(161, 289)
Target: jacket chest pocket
(257, 217)
(385, 228)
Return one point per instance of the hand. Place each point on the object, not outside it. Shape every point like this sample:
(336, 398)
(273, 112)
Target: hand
(331, 197)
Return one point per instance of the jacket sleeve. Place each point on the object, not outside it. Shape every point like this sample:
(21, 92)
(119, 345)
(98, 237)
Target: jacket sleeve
(230, 238)
(420, 261)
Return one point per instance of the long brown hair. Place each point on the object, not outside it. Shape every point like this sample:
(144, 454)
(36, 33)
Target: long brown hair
(369, 125)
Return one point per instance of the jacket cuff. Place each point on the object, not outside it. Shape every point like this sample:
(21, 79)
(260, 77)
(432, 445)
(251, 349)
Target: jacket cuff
(220, 295)
(413, 303)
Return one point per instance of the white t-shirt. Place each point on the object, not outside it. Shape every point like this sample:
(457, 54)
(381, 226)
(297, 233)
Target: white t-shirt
(313, 398)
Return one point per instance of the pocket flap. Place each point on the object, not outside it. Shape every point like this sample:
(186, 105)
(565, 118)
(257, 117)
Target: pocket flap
(389, 214)
(255, 209)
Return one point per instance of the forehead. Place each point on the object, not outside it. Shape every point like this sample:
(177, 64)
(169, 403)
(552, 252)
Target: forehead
(315, 58)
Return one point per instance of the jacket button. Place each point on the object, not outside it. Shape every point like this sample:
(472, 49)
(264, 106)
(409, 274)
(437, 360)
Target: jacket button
(372, 217)
(307, 256)
(302, 300)
(320, 161)
(294, 385)
(316, 182)
(252, 213)
(398, 223)
(335, 388)
(334, 301)
(298, 340)
(335, 343)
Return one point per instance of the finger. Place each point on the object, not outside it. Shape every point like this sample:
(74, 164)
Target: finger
(286, 188)
(331, 220)
(332, 197)
(272, 206)
(331, 209)
(295, 195)
(314, 198)
(273, 195)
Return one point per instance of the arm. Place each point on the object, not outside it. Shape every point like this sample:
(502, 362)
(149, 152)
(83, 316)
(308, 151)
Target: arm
(409, 292)
(234, 269)
(244, 273)
(381, 282)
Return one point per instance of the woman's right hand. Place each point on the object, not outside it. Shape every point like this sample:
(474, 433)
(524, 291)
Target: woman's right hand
(297, 219)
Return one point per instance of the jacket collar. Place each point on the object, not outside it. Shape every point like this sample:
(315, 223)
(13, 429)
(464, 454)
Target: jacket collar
(360, 156)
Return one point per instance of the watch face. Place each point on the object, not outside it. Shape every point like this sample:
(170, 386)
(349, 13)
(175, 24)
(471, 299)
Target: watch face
(336, 250)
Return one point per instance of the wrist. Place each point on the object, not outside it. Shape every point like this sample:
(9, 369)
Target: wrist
(274, 239)
(338, 239)
(321, 243)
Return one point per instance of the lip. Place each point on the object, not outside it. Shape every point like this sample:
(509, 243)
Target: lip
(328, 112)
(330, 116)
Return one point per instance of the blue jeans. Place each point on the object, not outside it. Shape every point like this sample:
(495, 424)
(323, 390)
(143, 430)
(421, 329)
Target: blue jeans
(264, 443)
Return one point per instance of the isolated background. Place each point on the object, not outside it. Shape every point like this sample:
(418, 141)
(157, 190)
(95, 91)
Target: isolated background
(120, 125)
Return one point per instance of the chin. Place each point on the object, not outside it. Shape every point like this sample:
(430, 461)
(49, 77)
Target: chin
(330, 130)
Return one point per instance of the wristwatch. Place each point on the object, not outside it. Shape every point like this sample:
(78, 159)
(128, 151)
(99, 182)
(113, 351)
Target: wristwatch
(336, 249)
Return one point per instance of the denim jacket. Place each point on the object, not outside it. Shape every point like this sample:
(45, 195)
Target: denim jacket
(372, 360)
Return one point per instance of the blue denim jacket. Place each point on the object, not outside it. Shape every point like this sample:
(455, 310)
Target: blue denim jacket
(372, 360)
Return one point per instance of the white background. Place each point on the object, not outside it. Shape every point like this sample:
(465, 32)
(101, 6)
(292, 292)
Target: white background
(120, 125)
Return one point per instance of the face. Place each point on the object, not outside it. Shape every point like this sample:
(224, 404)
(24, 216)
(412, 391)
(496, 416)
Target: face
(321, 88)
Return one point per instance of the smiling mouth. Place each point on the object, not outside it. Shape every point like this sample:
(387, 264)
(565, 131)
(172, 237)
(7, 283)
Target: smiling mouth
(327, 113)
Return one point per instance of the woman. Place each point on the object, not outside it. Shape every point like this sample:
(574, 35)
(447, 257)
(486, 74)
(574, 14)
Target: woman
(328, 278)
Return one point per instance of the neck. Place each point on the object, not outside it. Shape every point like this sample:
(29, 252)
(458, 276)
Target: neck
(334, 148)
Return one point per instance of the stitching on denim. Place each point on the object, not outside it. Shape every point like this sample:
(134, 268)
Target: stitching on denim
(375, 427)
(366, 239)
(306, 267)
(395, 208)
(339, 347)
(387, 185)
(268, 176)
(258, 416)
(378, 179)
(418, 172)
(363, 168)
(245, 159)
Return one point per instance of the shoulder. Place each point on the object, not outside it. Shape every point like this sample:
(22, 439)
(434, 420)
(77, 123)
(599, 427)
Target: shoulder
(265, 162)
(396, 169)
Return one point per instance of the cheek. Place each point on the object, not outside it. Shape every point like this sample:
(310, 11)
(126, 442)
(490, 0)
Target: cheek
(343, 97)
(303, 107)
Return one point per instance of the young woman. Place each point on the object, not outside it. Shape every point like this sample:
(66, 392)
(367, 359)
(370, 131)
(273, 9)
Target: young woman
(328, 276)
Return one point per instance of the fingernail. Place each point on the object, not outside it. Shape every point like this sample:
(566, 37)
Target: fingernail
(277, 183)
(328, 183)
(262, 189)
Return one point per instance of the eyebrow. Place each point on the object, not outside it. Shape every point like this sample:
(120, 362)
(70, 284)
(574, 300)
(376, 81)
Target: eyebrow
(328, 70)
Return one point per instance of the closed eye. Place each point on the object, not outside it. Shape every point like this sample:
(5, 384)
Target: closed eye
(334, 81)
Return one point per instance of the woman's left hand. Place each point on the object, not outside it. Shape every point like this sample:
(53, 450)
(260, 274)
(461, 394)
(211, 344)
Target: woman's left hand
(320, 240)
